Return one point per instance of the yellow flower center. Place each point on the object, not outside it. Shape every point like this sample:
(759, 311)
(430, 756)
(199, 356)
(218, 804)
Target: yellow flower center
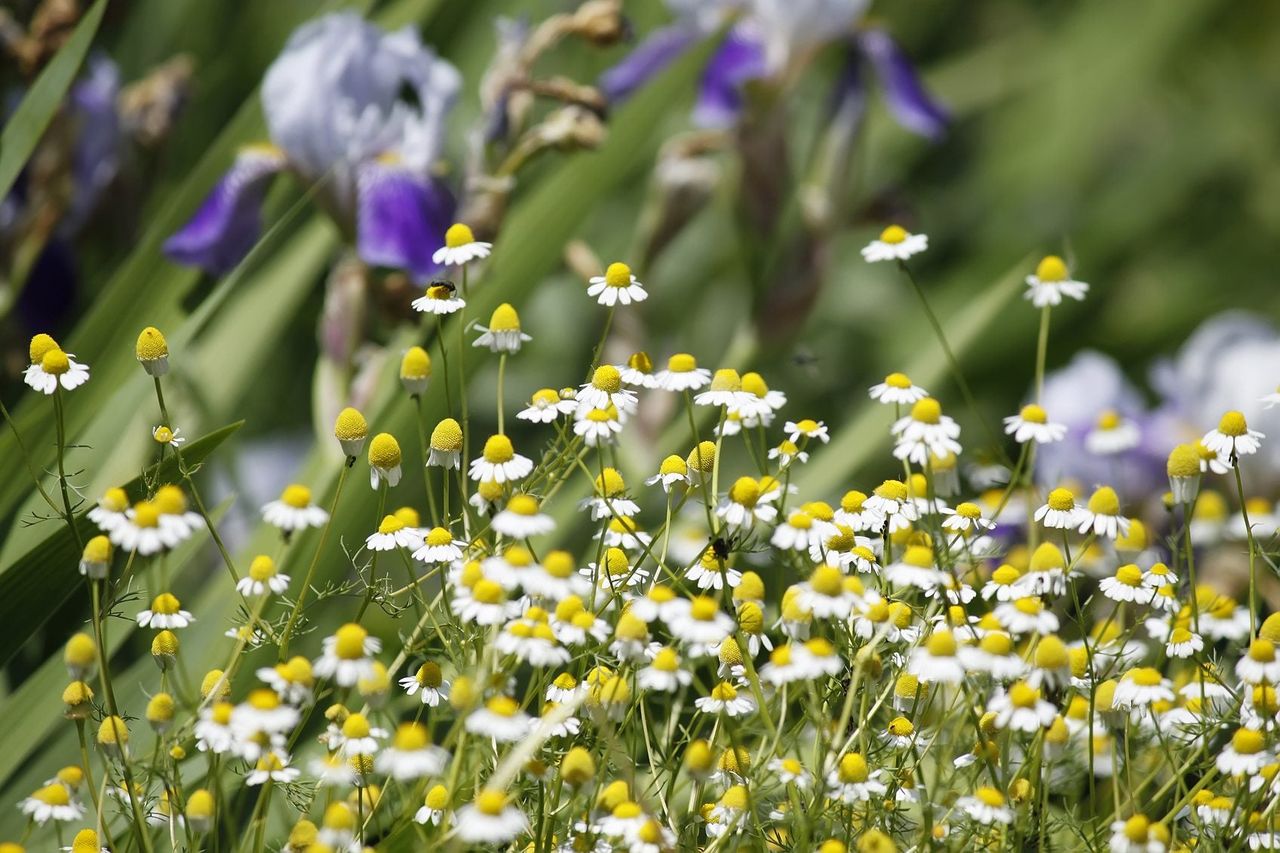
(682, 362)
(439, 536)
(703, 608)
(487, 591)
(1023, 695)
(927, 411)
(151, 345)
(1033, 414)
(416, 364)
(525, 505)
(262, 568)
(1029, 606)
(893, 235)
(745, 491)
(350, 425)
(826, 580)
(504, 319)
(53, 795)
(40, 345)
(1232, 423)
(1263, 651)
(1051, 268)
(1105, 501)
(726, 379)
(892, 490)
(1145, 676)
(1129, 575)
(941, 644)
(356, 726)
(853, 768)
(1248, 741)
(447, 436)
(55, 362)
(458, 235)
(384, 451)
(350, 641)
(617, 275)
(498, 450)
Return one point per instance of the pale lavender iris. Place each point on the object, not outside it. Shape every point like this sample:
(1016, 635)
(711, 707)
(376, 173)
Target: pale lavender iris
(766, 37)
(360, 113)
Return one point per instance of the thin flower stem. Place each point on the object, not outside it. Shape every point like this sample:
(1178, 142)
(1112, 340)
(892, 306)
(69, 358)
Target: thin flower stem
(1248, 532)
(26, 459)
(287, 632)
(62, 473)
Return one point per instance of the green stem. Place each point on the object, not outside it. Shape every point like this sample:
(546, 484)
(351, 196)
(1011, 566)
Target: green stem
(311, 569)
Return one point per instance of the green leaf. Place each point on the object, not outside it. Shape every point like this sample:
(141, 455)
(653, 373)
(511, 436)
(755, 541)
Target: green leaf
(33, 587)
(29, 121)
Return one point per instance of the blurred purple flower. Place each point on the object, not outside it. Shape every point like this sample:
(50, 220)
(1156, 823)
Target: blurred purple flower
(765, 38)
(360, 112)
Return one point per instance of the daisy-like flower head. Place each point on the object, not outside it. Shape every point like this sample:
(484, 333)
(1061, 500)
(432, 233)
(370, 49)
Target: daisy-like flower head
(1022, 709)
(1032, 424)
(1059, 512)
(532, 640)
(441, 298)
(610, 497)
(348, 655)
(725, 390)
(605, 389)
(1051, 282)
(1026, 615)
(638, 371)
(1233, 438)
(925, 432)
(891, 503)
(434, 806)
(664, 673)
(808, 429)
(500, 719)
(935, 661)
(545, 406)
(1183, 643)
(1140, 687)
(460, 247)
(1112, 435)
(438, 547)
(263, 576)
(851, 781)
(503, 334)
(52, 802)
(393, 533)
(986, 806)
(293, 679)
(915, 568)
(1126, 585)
(682, 374)
(617, 286)
(725, 699)
(895, 244)
(490, 819)
(1260, 664)
(965, 517)
(415, 371)
(1138, 835)
(51, 367)
(165, 613)
(598, 426)
(427, 683)
(351, 430)
(1246, 755)
(142, 530)
(95, 560)
(274, 766)
(262, 712)
(294, 510)
(384, 460)
(827, 594)
(673, 472)
(499, 462)
(699, 623)
(152, 351)
(744, 505)
(897, 389)
(767, 401)
(164, 435)
(1102, 515)
(411, 755)
(356, 736)
(111, 509)
(446, 444)
(522, 518)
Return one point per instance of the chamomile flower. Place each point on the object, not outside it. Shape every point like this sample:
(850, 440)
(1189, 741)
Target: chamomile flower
(95, 560)
(545, 406)
(272, 766)
(384, 460)
(827, 595)
(415, 371)
(850, 781)
(1183, 643)
(348, 655)
(392, 533)
(786, 452)
(262, 712)
(897, 389)
(51, 367)
(935, 661)
(1270, 400)
(1141, 686)
(1059, 512)
(293, 680)
(1260, 664)
(986, 806)
(806, 428)
(441, 299)
(1126, 585)
(1022, 709)
(152, 351)
(141, 530)
(617, 286)
(411, 755)
(796, 532)
(164, 435)
(522, 518)
(355, 736)
(966, 517)
(1102, 515)
(993, 655)
(446, 445)
(438, 546)
(895, 244)
(499, 462)
(1112, 435)
(503, 334)
(460, 247)
(294, 510)
(1233, 438)
(1026, 615)
(435, 806)
(891, 503)
(165, 613)
(1051, 282)
(699, 623)
(744, 505)
(1032, 424)
(52, 802)
(725, 390)
(664, 673)
(428, 684)
(1245, 755)
(682, 374)
(490, 819)
(916, 568)
(598, 427)
(672, 473)
(925, 432)
(111, 509)
(724, 699)
(532, 640)
(500, 719)
(262, 577)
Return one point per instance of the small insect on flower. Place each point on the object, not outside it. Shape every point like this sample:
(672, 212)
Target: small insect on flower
(441, 298)
(897, 389)
(1233, 438)
(294, 511)
(618, 286)
(503, 334)
(460, 247)
(895, 244)
(1032, 424)
(51, 367)
(1051, 282)
(263, 576)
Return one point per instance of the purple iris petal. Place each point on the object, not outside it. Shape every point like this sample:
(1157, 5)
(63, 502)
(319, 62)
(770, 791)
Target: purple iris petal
(401, 219)
(904, 94)
(738, 60)
(227, 224)
(655, 53)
